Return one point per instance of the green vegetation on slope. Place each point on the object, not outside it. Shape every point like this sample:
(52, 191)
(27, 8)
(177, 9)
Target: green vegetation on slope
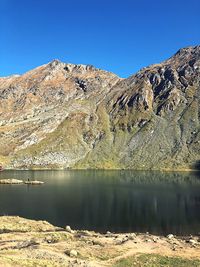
(153, 260)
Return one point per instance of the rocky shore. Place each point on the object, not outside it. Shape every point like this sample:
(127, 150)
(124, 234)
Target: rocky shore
(26, 242)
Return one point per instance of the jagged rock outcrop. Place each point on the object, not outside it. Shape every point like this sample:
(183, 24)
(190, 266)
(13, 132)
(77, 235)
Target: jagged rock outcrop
(76, 116)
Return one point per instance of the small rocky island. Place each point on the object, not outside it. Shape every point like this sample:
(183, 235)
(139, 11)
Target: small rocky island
(16, 181)
(26, 242)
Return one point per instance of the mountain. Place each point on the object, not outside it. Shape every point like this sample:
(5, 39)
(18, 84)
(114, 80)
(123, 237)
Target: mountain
(77, 116)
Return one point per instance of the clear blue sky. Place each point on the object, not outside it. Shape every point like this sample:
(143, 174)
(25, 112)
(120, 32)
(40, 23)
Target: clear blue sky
(119, 36)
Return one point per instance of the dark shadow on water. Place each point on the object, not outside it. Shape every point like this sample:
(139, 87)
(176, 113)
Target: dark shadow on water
(196, 166)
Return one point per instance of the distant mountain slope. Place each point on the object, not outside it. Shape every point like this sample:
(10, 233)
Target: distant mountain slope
(76, 116)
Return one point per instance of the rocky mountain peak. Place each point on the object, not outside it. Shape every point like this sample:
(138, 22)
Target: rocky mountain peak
(185, 56)
(55, 63)
(190, 50)
(69, 67)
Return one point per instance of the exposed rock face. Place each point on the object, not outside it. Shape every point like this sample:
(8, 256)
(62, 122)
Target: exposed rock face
(76, 116)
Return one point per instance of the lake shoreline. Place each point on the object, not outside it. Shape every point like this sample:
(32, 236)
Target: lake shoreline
(104, 169)
(25, 242)
(173, 171)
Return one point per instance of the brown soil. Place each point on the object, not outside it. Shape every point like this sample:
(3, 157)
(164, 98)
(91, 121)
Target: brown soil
(26, 242)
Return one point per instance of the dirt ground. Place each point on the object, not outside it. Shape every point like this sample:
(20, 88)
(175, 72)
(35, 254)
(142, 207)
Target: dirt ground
(26, 242)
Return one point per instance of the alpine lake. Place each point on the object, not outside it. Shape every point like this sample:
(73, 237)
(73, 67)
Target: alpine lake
(107, 200)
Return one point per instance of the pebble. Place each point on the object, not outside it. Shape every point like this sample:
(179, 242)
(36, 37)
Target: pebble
(170, 236)
(108, 234)
(192, 241)
(73, 253)
(68, 229)
(48, 239)
(132, 236)
(120, 241)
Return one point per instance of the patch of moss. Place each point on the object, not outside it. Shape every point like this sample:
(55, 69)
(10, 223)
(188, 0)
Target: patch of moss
(154, 260)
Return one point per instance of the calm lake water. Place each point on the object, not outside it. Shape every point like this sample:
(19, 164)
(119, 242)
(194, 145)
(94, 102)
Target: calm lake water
(117, 201)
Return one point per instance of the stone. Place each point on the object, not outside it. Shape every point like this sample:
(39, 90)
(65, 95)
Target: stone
(48, 239)
(170, 236)
(68, 229)
(118, 241)
(192, 241)
(108, 234)
(73, 253)
(132, 236)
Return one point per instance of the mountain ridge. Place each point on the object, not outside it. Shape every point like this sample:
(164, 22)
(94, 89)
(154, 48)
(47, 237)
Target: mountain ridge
(63, 115)
(56, 60)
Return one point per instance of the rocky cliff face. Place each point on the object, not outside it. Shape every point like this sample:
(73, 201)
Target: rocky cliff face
(76, 116)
